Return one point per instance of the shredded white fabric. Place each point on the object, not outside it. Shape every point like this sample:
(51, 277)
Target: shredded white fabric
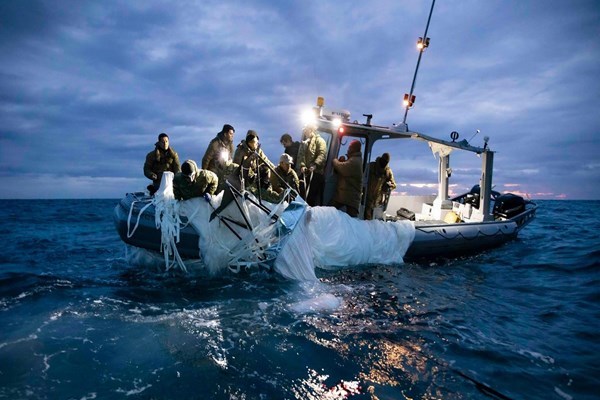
(307, 238)
(167, 220)
(328, 238)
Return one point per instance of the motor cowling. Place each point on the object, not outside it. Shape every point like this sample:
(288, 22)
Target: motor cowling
(508, 205)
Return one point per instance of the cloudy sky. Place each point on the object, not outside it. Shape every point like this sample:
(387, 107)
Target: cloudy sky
(86, 86)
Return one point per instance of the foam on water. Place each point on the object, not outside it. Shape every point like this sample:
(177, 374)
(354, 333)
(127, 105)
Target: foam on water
(322, 303)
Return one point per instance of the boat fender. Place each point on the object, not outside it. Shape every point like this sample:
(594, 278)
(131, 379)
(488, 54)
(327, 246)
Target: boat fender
(451, 218)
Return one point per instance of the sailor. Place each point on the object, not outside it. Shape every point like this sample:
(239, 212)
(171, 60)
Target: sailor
(349, 185)
(311, 165)
(290, 147)
(162, 158)
(219, 153)
(284, 171)
(249, 156)
(262, 186)
(193, 182)
(381, 183)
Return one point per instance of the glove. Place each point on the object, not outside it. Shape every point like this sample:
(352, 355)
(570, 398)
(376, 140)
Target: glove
(154, 176)
(207, 197)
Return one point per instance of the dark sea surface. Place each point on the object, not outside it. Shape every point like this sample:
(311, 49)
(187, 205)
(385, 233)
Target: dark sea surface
(78, 322)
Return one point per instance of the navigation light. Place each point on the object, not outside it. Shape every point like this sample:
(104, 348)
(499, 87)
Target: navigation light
(422, 44)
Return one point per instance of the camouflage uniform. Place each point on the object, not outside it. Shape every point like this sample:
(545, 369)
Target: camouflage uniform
(159, 161)
(267, 193)
(245, 157)
(312, 153)
(213, 158)
(378, 178)
(290, 177)
(348, 191)
(203, 181)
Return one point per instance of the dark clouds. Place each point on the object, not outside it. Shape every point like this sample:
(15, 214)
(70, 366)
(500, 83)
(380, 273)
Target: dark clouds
(85, 87)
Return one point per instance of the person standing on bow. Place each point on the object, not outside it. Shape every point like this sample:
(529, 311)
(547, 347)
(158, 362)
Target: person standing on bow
(193, 182)
(381, 183)
(349, 185)
(219, 153)
(162, 158)
(285, 172)
(249, 156)
(311, 166)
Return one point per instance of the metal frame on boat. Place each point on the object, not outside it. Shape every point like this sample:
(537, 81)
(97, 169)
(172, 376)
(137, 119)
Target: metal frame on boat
(444, 226)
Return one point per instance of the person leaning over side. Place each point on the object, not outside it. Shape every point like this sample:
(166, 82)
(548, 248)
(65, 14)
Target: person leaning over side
(290, 147)
(249, 156)
(162, 158)
(381, 180)
(349, 185)
(219, 153)
(193, 182)
(262, 186)
(285, 172)
(311, 166)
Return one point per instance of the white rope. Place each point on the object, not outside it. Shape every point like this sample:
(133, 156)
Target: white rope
(166, 218)
(130, 234)
(309, 183)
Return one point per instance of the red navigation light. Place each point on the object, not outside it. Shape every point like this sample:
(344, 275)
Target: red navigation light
(341, 130)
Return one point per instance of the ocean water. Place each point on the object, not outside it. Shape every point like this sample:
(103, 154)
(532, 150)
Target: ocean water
(78, 322)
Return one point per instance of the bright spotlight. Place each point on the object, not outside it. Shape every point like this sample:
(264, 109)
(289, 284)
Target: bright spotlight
(308, 117)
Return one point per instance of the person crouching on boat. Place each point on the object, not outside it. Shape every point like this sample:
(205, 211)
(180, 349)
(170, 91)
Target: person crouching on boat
(349, 185)
(286, 173)
(381, 181)
(193, 182)
(162, 158)
(250, 156)
(261, 187)
(219, 153)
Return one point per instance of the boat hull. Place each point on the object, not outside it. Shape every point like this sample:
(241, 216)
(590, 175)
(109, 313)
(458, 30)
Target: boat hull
(147, 235)
(432, 240)
(452, 240)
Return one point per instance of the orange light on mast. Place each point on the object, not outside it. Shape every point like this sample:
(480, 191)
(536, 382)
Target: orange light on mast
(409, 100)
(422, 44)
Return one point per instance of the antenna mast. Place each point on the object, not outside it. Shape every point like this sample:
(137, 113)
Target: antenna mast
(422, 44)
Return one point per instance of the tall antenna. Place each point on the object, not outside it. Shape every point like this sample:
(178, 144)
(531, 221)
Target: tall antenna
(422, 44)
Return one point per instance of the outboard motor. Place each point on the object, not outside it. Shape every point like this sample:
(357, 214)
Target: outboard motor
(472, 197)
(508, 205)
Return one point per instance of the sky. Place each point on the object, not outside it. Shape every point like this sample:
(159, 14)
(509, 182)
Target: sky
(87, 86)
